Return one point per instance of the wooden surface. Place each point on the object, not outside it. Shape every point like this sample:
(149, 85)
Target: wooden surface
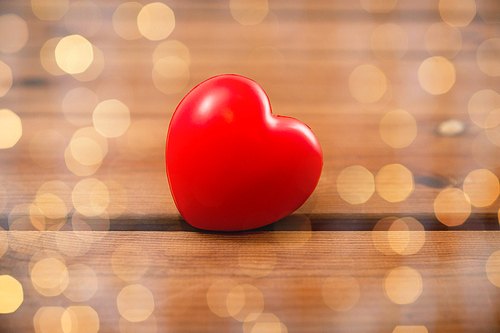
(304, 55)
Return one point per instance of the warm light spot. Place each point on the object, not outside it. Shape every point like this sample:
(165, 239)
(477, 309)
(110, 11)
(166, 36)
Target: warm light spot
(244, 301)
(403, 285)
(452, 207)
(442, 39)
(398, 128)
(95, 69)
(410, 329)
(111, 118)
(171, 74)
(378, 6)
(125, 20)
(493, 127)
(404, 236)
(147, 326)
(46, 148)
(5, 78)
(13, 33)
(74, 54)
(367, 83)
(86, 151)
(49, 277)
(48, 319)
(301, 228)
(48, 57)
(217, 295)
(485, 150)
(78, 105)
(83, 17)
(256, 261)
(76, 167)
(488, 57)
(264, 323)
(4, 242)
(458, 13)
(50, 10)
(172, 48)
(266, 63)
(11, 294)
(249, 12)
(135, 303)
(481, 105)
(90, 197)
(51, 206)
(436, 75)
(91, 133)
(493, 268)
(80, 319)
(482, 187)
(156, 21)
(129, 262)
(394, 182)
(389, 42)
(11, 129)
(340, 293)
(451, 127)
(82, 283)
(355, 184)
(118, 199)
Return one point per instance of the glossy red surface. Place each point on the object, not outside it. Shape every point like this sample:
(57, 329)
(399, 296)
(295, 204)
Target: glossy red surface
(231, 164)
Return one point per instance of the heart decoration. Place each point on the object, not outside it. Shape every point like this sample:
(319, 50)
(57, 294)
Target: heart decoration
(231, 164)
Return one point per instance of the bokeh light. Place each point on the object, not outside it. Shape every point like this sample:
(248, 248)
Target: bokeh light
(156, 21)
(410, 329)
(130, 262)
(489, 10)
(355, 184)
(482, 187)
(452, 207)
(436, 75)
(125, 20)
(403, 236)
(111, 118)
(403, 285)
(378, 6)
(171, 74)
(217, 294)
(48, 320)
(95, 68)
(135, 303)
(244, 302)
(249, 12)
(172, 48)
(442, 39)
(11, 129)
(80, 319)
(90, 197)
(488, 57)
(48, 57)
(389, 42)
(493, 268)
(146, 326)
(11, 294)
(82, 283)
(394, 182)
(78, 105)
(481, 105)
(50, 10)
(367, 83)
(458, 13)
(83, 17)
(74, 243)
(398, 128)
(265, 322)
(49, 277)
(5, 78)
(256, 261)
(13, 33)
(341, 293)
(74, 54)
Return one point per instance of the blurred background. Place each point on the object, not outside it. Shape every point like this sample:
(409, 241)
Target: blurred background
(401, 234)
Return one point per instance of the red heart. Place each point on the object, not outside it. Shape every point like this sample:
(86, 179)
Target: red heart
(231, 164)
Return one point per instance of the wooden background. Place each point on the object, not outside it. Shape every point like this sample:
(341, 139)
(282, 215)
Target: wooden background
(97, 244)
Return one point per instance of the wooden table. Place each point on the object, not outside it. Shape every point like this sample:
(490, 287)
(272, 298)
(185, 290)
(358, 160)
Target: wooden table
(400, 235)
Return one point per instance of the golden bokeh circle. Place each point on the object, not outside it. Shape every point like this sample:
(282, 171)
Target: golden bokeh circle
(49, 277)
(125, 20)
(488, 56)
(403, 285)
(49, 10)
(217, 294)
(48, 319)
(410, 329)
(147, 326)
(403, 236)
(80, 319)
(156, 21)
(481, 104)
(442, 39)
(13, 33)
(264, 322)
(11, 129)
(389, 42)
(493, 268)
(482, 187)
(11, 294)
(394, 182)
(74, 54)
(452, 207)
(244, 301)
(171, 74)
(249, 12)
(95, 68)
(458, 13)
(135, 303)
(48, 57)
(436, 75)
(5, 78)
(111, 118)
(82, 283)
(367, 83)
(90, 197)
(340, 293)
(398, 128)
(172, 48)
(355, 184)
